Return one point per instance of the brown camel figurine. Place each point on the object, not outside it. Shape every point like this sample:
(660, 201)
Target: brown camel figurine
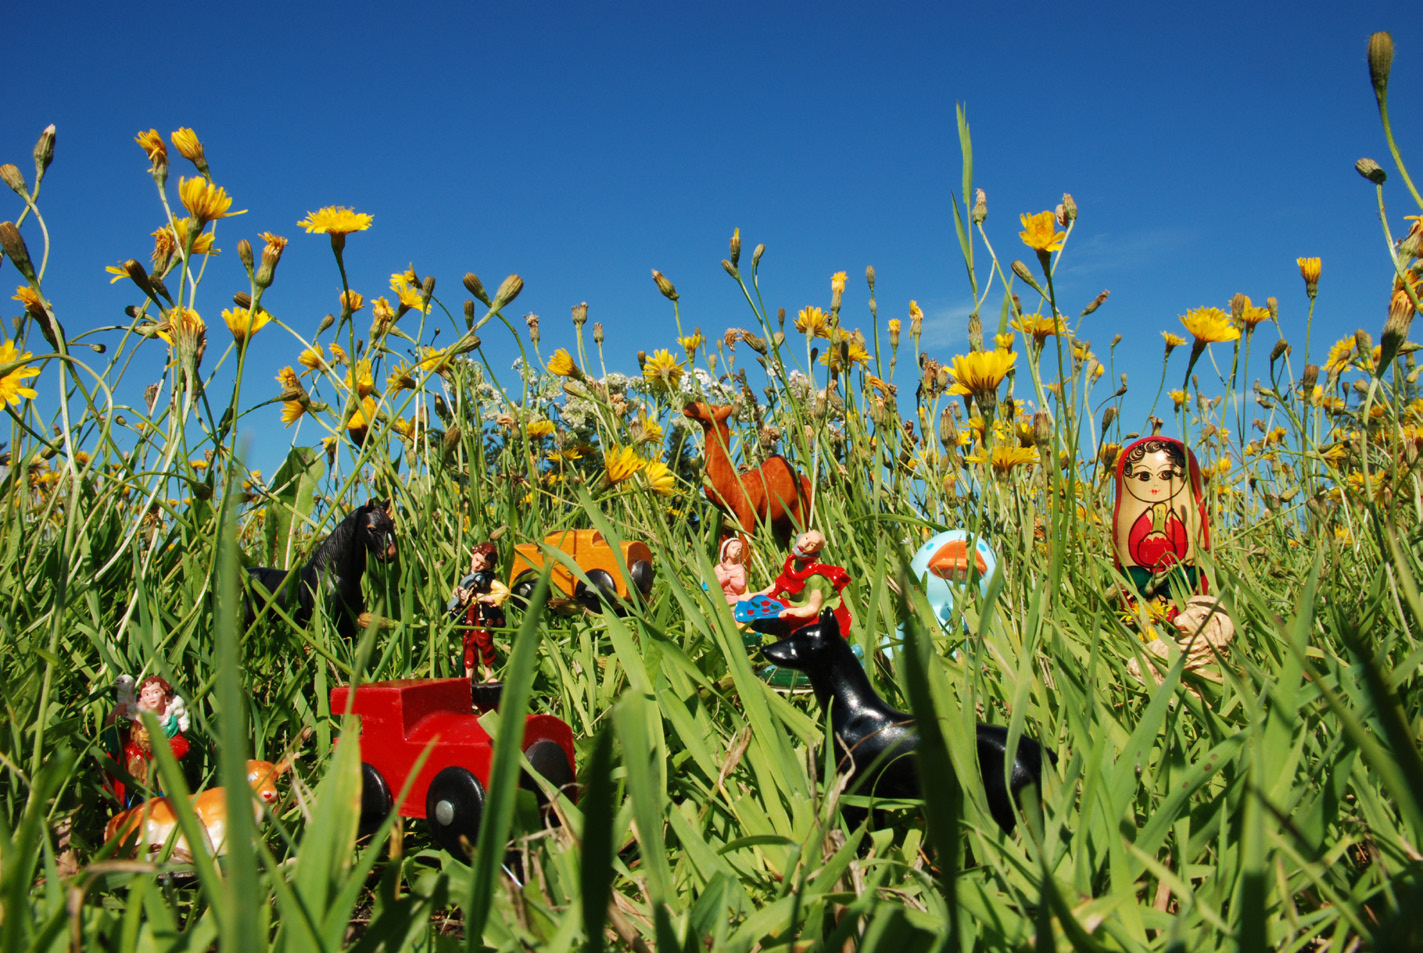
(772, 492)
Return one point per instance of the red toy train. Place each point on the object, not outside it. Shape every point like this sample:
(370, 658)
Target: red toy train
(400, 718)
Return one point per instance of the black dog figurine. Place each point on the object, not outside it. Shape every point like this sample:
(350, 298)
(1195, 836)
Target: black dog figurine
(335, 569)
(869, 731)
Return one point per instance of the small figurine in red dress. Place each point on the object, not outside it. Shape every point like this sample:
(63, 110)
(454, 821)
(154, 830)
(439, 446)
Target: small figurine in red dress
(478, 601)
(1159, 524)
(133, 749)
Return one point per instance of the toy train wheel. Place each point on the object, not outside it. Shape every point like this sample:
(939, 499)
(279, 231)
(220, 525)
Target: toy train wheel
(641, 572)
(604, 590)
(454, 806)
(523, 589)
(550, 760)
(376, 801)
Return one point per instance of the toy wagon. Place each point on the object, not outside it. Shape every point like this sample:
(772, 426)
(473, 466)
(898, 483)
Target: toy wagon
(607, 568)
(400, 718)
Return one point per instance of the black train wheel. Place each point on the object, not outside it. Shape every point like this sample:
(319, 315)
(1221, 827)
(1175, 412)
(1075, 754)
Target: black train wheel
(454, 807)
(551, 762)
(376, 801)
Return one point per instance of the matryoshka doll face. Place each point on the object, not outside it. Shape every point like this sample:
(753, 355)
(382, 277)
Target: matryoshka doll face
(1155, 479)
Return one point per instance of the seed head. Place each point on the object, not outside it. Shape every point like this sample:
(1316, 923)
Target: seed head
(598, 333)
(580, 314)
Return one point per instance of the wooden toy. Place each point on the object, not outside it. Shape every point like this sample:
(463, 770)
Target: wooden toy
(478, 601)
(608, 569)
(154, 821)
(401, 718)
(126, 737)
(1159, 522)
(335, 570)
(772, 492)
(877, 743)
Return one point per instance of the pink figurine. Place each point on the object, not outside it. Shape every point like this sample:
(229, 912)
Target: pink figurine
(731, 571)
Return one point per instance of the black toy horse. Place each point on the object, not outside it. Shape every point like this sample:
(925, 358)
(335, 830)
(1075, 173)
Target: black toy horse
(335, 570)
(868, 731)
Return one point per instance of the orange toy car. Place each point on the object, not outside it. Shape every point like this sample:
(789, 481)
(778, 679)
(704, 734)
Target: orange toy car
(608, 569)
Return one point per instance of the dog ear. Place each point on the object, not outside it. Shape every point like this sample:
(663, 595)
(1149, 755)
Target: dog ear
(828, 623)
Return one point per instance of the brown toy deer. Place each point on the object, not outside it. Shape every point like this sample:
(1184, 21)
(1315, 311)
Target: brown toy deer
(158, 821)
(772, 492)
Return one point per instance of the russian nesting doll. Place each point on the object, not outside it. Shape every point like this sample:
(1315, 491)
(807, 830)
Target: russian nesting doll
(1159, 523)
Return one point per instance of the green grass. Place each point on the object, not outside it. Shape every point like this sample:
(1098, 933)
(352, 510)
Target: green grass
(1276, 805)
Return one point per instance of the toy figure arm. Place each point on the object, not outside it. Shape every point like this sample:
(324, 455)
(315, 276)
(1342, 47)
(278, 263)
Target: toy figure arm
(461, 595)
(498, 594)
(814, 600)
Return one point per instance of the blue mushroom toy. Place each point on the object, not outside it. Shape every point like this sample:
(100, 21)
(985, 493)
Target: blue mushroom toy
(945, 563)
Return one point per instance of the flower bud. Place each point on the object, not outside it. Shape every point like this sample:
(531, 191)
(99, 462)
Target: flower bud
(1272, 307)
(326, 322)
(870, 278)
(476, 288)
(1061, 214)
(1069, 206)
(1278, 350)
(508, 291)
(757, 343)
(1371, 170)
(190, 148)
(975, 332)
(1108, 415)
(980, 206)
(735, 255)
(1097, 302)
(598, 333)
(243, 300)
(1021, 270)
(730, 269)
(580, 314)
(781, 318)
(1116, 339)
(11, 176)
(244, 255)
(1042, 428)
(139, 276)
(14, 246)
(1364, 343)
(663, 285)
(1238, 304)
(427, 290)
(271, 255)
(756, 255)
(44, 152)
(1380, 62)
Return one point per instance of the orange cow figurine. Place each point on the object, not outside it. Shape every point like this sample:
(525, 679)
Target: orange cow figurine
(158, 821)
(772, 492)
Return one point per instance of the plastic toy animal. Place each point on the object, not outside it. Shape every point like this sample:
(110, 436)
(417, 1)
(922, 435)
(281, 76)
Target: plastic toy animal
(335, 570)
(158, 821)
(878, 742)
(772, 492)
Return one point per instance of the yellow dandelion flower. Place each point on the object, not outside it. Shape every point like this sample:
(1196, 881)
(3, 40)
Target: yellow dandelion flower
(27, 297)
(894, 325)
(433, 361)
(335, 220)
(885, 388)
(691, 342)
(354, 301)
(1252, 316)
(561, 364)
(363, 416)
(338, 355)
(382, 314)
(12, 384)
(359, 378)
(650, 430)
(400, 379)
(189, 324)
(167, 241)
(1210, 326)
(288, 378)
(813, 322)
(915, 312)
(292, 411)
(312, 357)
(1041, 328)
(1003, 342)
(119, 273)
(837, 283)
(539, 428)
(1178, 397)
(245, 322)
(1339, 355)
(1004, 458)
(198, 464)
(659, 478)
(621, 463)
(1309, 269)
(188, 146)
(662, 369)
(845, 350)
(204, 201)
(979, 373)
(1172, 340)
(410, 294)
(1040, 232)
(153, 147)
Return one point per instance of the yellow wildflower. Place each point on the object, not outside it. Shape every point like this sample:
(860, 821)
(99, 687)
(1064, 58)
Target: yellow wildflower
(406, 428)
(1003, 342)
(1040, 232)
(1178, 397)
(837, 283)
(153, 147)
(539, 428)
(659, 478)
(292, 411)
(335, 220)
(1339, 355)
(288, 379)
(1209, 326)
(621, 463)
(411, 295)
(915, 312)
(400, 379)
(894, 325)
(662, 368)
(648, 429)
(204, 201)
(979, 373)
(245, 322)
(845, 350)
(355, 301)
(382, 314)
(434, 361)
(198, 464)
(362, 418)
(359, 378)
(1004, 458)
(27, 297)
(561, 364)
(189, 147)
(1252, 316)
(692, 342)
(167, 241)
(1172, 341)
(338, 355)
(190, 323)
(813, 322)
(1041, 328)
(119, 273)
(312, 357)
(1309, 269)
(12, 384)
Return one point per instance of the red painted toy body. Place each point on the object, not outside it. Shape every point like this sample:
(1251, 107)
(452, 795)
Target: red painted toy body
(401, 718)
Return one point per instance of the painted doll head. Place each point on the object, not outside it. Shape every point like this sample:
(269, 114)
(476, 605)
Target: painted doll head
(1159, 523)
(481, 557)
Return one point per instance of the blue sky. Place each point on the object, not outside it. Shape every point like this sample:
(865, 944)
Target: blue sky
(583, 145)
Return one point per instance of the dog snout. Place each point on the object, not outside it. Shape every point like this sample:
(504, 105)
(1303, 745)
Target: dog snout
(781, 653)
